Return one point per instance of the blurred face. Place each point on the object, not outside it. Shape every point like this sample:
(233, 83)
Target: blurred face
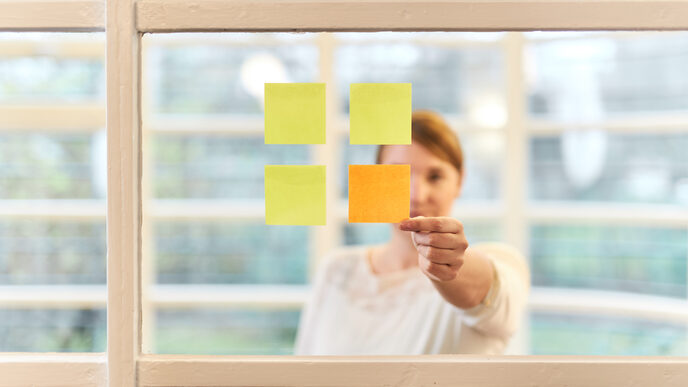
(435, 183)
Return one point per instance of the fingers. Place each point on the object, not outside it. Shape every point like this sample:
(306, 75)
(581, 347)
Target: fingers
(440, 256)
(434, 224)
(438, 272)
(440, 243)
(440, 240)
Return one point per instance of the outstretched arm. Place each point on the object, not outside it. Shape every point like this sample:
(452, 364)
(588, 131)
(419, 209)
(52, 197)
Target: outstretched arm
(462, 276)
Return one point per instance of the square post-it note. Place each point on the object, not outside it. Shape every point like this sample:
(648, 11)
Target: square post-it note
(379, 193)
(294, 113)
(380, 113)
(295, 195)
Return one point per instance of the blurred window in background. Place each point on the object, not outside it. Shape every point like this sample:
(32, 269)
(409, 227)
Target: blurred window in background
(608, 123)
(52, 192)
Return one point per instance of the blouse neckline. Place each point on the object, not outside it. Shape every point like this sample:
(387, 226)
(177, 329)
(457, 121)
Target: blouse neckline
(386, 280)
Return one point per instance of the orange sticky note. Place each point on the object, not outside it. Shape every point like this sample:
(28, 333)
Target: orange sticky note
(379, 193)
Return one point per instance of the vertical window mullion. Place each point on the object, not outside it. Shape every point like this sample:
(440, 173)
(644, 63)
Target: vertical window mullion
(324, 239)
(514, 172)
(148, 246)
(124, 193)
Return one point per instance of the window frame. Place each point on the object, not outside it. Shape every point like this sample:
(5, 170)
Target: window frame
(128, 20)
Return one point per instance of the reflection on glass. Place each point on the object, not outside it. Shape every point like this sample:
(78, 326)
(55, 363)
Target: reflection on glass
(226, 331)
(650, 168)
(629, 259)
(52, 330)
(231, 253)
(563, 334)
(194, 166)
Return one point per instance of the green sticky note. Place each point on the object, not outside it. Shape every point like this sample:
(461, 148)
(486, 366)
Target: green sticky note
(380, 113)
(295, 194)
(294, 113)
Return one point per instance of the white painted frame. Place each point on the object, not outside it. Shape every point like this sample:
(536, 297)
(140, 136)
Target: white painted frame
(409, 15)
(52, 15)
(128, 19)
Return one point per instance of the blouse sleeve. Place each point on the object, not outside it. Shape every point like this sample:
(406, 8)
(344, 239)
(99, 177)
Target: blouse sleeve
(501, 311)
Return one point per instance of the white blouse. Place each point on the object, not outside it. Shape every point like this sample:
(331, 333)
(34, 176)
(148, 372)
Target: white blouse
(353, 311)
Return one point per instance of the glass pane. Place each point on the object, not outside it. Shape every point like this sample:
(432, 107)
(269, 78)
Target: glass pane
(366, 233)
(52, 166)
(482, 231)
(590, 78)
(374, 233)
(224, 73)
(230, 252)
(483, 153)
(53, 155)
(226, 331)
(42, 252)
(51, 68)
(564, 334)
(629, 259)
(446, 79)
(483, 159)
(219, 79)
(52, 330)
(211, 167)
(600, 166)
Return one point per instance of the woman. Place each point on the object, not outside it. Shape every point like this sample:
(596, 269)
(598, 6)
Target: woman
(425, 291)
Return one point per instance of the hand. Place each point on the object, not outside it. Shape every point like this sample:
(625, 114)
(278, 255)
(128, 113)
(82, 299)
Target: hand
(440, 243)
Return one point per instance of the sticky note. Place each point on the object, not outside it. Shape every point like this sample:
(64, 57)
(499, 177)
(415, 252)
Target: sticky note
(380, 113)
(295, 194)
(294, 113)
(379, 193)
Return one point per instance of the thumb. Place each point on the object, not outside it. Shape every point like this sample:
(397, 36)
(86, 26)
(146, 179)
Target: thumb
(413, 239)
